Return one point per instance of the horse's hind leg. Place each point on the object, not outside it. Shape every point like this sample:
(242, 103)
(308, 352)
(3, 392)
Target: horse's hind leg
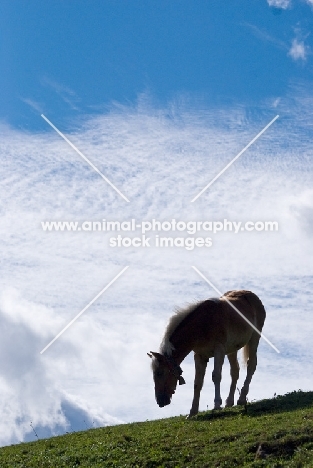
(219, 355)
(200, 367)
(252, 363)
(234, 372)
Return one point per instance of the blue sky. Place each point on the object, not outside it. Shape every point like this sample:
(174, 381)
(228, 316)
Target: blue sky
(160, 96)
(72, 58)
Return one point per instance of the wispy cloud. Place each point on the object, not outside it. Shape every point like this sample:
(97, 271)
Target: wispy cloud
(266, 37)
(64, 92)
(298, 49)
(38, 107)
(162, 157)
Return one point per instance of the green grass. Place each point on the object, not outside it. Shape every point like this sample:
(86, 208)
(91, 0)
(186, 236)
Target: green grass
(282, 426)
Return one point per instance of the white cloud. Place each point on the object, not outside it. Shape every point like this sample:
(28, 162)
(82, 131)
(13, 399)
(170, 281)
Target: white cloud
(161, 159)
(276, 102)
(284, 4)
(302, 207)
(30, 392)
(298, 50)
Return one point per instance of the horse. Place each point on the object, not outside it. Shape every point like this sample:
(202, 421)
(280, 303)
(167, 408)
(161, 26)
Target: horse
(210, 328)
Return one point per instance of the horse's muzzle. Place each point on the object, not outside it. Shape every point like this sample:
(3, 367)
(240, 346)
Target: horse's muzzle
(163, 400)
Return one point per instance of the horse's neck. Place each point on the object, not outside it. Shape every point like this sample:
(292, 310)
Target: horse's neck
(183, 341)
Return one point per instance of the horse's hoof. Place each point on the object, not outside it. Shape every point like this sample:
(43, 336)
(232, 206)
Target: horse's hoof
(242, 402)
(229, 404)
(218, 404)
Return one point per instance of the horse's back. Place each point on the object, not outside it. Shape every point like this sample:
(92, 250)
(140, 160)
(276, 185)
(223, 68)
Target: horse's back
(250, 302)
(219, 311)
(221, 323)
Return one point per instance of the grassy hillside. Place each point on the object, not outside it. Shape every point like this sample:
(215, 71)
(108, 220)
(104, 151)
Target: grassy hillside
(272, 433)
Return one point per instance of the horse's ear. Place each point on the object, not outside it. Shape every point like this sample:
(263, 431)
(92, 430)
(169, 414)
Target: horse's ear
(150, 355)
(157, 356)
(181, 380)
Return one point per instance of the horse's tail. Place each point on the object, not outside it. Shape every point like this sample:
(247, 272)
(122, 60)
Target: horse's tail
(256, 302)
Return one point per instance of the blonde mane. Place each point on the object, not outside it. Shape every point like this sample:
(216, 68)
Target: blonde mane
(180, 314)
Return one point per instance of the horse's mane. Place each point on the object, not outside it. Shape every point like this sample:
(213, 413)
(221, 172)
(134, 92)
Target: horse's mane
(180, 314)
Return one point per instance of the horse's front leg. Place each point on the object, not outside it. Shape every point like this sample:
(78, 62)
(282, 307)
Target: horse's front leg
(219, 355)
(200, 367)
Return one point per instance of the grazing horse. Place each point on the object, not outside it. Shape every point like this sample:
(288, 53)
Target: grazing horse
(210, 328)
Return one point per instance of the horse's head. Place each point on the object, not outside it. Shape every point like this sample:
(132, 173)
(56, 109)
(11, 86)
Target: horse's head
(166, 373)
